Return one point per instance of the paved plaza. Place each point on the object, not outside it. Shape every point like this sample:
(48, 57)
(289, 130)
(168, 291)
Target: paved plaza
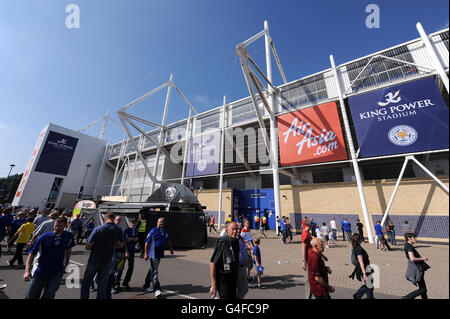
(186, 274)
(392, 264)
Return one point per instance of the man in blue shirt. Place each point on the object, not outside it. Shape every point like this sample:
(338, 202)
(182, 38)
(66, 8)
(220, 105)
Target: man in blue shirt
(347, 229)
(54, 249)
(154, 251)
(102, 242)
(380, 236)
(5, 224)
(342, 228)
(257, 262)
(130, 237)
(75, 226)
(313, 227)
(283, 229)
(15, 225)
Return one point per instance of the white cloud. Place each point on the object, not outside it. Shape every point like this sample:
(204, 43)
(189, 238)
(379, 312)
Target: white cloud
(201, 99)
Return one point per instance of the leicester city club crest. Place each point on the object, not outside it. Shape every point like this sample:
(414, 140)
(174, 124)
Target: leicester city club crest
(402, 135)
(201, 165)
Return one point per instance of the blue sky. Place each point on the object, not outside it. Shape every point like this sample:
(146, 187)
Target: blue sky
(124, 49)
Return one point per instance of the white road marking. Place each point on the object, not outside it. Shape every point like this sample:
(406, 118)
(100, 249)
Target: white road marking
(184, 296)
(76, 263)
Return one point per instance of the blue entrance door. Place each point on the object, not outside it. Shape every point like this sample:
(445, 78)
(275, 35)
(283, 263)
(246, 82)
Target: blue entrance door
(252, 202)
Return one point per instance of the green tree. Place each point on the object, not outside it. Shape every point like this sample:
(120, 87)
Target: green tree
(8, 187)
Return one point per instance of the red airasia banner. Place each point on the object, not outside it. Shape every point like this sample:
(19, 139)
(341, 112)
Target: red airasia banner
(312, 135)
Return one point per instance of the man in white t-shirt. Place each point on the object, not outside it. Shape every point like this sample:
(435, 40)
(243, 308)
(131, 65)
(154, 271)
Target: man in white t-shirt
(334, 229)
(278, 226)
(325, 232)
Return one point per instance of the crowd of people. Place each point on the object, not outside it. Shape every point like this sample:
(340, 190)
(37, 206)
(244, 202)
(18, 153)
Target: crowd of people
(48, 236)
(236, 253)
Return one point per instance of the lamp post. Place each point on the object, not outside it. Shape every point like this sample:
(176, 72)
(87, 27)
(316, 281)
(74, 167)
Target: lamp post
(80, 193)
(12, 166)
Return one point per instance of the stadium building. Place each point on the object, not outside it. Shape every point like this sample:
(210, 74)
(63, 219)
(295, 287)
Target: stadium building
(367, 139)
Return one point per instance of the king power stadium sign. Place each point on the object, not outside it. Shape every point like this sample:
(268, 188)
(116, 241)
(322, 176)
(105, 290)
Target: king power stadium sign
(407, 118)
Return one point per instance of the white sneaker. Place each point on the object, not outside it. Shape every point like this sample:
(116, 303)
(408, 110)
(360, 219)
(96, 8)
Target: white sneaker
(157, 293)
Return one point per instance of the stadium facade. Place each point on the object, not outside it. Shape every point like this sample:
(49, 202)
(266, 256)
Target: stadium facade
(392, 104)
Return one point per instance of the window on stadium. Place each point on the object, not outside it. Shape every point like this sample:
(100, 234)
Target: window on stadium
(380, 70)
(328, 176)
(386, 171)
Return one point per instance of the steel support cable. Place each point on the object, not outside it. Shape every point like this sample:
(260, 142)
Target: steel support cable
(291, 59)
(232, 75)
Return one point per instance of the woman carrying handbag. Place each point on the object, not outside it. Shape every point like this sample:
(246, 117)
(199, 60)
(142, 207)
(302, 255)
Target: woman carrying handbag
(416, 268)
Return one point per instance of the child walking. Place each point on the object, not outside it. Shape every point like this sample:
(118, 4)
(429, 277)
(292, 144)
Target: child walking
(257, 262)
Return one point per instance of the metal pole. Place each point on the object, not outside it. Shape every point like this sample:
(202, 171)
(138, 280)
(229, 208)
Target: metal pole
(273, 129)
(430, 174)
(245, 70)
(132, 174)
(117, 166)
(80, 193)
(187, 137)
(194, 148)
(405, 163)
(162, 131)
(102, 133)
(431, 51)
(102, 168)
(125, 175)
(353, 155)
(222, 155)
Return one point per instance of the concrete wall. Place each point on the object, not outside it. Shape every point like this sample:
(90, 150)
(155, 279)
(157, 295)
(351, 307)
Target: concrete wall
(210, 199)
(419, 200)
(414, 196)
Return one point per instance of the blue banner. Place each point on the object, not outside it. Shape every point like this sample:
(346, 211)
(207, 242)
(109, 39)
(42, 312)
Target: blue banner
(204, 152)
(57, 154)
(406, 118)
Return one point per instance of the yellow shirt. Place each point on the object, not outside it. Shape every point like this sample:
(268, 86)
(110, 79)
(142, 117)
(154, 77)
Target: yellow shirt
(25, 231)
